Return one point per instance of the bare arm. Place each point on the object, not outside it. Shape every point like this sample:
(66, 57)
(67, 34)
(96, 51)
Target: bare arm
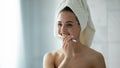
(99, 63)
(65, 63)
(48, 61)
(69, 48)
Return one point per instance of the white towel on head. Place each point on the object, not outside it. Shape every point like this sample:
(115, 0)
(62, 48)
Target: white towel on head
(81, 10)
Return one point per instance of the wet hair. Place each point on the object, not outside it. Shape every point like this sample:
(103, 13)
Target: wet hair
(70, 10)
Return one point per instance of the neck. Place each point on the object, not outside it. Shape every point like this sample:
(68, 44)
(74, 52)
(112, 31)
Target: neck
(77, 49)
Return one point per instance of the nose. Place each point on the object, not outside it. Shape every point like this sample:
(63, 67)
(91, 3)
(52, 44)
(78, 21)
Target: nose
(64, 30)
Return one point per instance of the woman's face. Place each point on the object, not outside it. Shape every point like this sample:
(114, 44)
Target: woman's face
(67, 24)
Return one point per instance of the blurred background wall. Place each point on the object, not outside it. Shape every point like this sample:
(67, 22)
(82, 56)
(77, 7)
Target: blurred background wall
(38, 27)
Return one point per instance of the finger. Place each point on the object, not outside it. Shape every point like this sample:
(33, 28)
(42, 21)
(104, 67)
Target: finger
(65, 41)
(68, 41)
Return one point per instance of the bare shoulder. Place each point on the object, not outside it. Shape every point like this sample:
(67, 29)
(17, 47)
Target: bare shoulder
(95, 53)
(97, 58)
(51, 55)
(49, 59)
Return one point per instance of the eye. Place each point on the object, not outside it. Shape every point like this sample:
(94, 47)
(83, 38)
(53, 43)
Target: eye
(59, 24)
(69, 25)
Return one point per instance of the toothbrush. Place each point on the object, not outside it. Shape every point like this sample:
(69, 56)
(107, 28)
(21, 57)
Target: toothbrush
(73, 40)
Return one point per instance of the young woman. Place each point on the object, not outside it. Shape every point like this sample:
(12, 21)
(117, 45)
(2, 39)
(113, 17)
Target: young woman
(74, 53)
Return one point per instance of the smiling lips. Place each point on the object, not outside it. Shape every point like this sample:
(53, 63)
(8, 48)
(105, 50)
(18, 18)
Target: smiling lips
(64, 35)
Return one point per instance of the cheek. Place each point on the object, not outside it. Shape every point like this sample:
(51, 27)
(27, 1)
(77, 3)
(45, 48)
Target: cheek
(71, 31)
(58, 30)
(74, 31)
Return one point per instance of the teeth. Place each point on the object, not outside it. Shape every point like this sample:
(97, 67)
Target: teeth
(59, 35)
(63, 35)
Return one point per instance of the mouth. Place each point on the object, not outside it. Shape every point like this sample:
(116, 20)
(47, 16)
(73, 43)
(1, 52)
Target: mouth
(64, 35)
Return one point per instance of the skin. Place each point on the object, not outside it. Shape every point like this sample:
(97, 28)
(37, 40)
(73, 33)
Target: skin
(72, 54)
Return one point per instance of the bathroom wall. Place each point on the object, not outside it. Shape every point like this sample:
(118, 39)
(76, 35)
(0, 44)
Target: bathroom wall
(105, 14)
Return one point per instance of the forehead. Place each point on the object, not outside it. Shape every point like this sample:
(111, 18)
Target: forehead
(66, 16)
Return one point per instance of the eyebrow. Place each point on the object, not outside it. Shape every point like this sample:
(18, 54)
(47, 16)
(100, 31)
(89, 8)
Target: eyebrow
(69, 22)
(66, 22)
